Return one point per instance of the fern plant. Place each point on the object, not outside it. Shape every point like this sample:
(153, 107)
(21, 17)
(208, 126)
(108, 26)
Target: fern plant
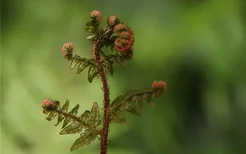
(120, 39)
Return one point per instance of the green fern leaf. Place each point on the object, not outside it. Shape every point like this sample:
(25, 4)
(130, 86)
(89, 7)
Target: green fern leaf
(92, 72)
(74, 112)
(73, 128)
(63, 109)
(85, 139)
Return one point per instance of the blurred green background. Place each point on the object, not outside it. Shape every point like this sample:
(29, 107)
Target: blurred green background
(196, 46)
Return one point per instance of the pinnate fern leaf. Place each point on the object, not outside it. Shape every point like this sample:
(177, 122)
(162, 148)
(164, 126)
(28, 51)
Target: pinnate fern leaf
(85, 139)
(132, 102)
(82, 63)
(86, 124)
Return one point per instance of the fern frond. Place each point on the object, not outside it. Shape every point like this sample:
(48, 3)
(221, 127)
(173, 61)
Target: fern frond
(86, 124)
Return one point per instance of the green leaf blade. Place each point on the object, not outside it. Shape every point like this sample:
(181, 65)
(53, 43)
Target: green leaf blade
(51, 116)
(94, 116)
(74, 112)
(118, 118)
(92, 72)
(135, 108)
(63, 109)
(82, 66)
(86, 138)
(72, 128)
(74, 63)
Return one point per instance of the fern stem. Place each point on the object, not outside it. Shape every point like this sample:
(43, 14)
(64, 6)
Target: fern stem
(75, 118)
(104, 132)
(69, 115)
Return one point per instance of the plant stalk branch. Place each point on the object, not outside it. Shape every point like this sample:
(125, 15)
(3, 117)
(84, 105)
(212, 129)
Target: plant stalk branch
(104, 132)
(72, 117)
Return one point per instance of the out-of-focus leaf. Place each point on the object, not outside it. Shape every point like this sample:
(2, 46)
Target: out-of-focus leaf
(85, 139)
(89, 23)
(118, 118)
(110, 68)
(120, 100)
(132, 102)
(118, 59)
(112, 47)
(117, 101)
(135, 108)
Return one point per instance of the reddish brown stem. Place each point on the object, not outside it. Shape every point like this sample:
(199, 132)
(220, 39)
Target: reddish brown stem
(104, 132)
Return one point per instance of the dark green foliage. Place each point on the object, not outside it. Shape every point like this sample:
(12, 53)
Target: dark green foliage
(83, 63)
(109, 66)
(107, 61)
(118, 59)
(90, 29)
(86, 124)
(92, 26)
(109, 42)
(92, 73)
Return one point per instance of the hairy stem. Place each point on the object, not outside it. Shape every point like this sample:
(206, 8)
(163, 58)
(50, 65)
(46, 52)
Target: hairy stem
(104, 133)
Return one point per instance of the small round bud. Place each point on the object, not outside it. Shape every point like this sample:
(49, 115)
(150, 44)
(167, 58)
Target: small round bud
(159, 85)
(49, 105)
(158, 88)
(112, 20)
(67, 50)
(96, 15)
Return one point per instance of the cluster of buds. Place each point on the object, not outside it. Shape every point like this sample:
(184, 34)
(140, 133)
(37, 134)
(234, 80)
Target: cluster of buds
(158, 88)
(125, 39)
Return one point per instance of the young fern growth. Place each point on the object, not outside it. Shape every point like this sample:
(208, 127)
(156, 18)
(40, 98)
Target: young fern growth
(86, 124)
(120, 39)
